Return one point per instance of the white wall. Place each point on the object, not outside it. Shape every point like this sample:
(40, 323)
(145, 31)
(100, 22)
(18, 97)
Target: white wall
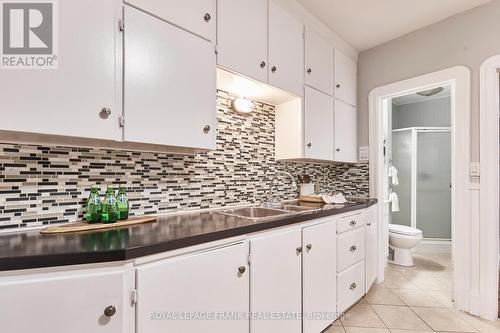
(466, 39)
(432, 113)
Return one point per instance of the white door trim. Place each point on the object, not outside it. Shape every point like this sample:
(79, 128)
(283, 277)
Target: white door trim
(489, 187)
(459, 79)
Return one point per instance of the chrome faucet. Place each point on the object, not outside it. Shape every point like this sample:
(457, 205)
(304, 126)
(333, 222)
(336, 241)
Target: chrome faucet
(273, 201)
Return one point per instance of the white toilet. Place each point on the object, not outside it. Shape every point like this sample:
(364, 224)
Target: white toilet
(402, 239)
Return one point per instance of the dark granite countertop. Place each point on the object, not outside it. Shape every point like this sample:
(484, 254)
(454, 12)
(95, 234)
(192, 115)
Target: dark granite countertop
(30, 249)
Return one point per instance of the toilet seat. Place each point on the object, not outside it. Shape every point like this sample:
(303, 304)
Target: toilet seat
(404, 230)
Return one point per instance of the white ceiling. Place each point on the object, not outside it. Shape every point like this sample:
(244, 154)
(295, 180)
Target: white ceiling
(367, 23)
(414, 98)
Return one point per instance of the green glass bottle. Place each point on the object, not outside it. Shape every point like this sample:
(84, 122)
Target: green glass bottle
(109, 207)
(94, 206)
(122, 202)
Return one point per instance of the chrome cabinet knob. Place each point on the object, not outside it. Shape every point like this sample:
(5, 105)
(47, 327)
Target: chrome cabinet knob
(206, 129)
(263, 64)
(299, 249)
(309, 70)
(352, 286)
(352, 223)
(309, 145)
(207, 17)
(338, 149)
(105, 113)
(110, 311)
(242, 269)
(309, 247)
(368, 223)
(337, 85)
(353, 248)
(273, 69)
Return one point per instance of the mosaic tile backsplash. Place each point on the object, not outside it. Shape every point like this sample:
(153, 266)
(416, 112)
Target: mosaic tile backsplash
(42, 185)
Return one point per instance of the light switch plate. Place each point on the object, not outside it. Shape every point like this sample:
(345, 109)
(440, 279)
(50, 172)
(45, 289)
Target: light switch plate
(475, 169)
(363, 153)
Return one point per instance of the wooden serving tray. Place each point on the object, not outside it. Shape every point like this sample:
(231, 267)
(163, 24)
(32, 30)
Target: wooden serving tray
(311, 198)
(84, 226)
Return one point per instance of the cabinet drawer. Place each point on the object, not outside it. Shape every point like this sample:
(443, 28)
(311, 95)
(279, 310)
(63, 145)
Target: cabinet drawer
(350, 286)
(350, 222)
(350, 248)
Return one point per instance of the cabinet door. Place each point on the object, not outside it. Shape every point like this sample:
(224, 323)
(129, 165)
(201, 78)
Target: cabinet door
(345, 77)
(371, 246)
(319, 275)
(275, 281)
(242, 37)
(286, 51)
(319, 62)
(196, 16)
(67, 100)
(202, 284)
(67, 301)
(346, 133)
(170, 89)
(318, 125)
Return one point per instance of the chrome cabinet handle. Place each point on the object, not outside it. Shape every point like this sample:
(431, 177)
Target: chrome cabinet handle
(337, 85)
(353, 248)
(263, 64)
(353, 286)
(207, 17)
(309, 246)
(273, 69)
(309, 145)
(338, 149)
(368, 223)
(299, 249)
(309, 70)
(206, 129)
(353, 223)
(110, 311)
(242, 269)
(105, 113)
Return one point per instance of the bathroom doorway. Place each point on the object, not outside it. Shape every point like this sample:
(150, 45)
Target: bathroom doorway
(452, 136)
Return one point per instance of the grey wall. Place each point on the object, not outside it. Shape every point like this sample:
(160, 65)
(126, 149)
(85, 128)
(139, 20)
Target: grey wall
(466, 39)
(433, 113)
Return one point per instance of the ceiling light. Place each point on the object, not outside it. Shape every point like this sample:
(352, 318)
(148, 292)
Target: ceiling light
(430, 92)
(242, 105)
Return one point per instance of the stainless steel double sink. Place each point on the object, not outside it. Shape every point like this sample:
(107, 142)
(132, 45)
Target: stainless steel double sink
(259, 214)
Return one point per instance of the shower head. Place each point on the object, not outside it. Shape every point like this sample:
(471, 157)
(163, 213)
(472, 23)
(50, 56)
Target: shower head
(430, 92)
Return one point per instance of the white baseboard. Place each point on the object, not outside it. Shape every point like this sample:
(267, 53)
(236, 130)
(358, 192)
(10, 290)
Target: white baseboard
(434, 246)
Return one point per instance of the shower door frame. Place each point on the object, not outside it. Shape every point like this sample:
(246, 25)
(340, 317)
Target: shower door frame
(414, 161)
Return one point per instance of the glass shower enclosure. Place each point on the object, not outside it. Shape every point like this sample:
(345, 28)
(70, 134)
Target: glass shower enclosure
(422, 157)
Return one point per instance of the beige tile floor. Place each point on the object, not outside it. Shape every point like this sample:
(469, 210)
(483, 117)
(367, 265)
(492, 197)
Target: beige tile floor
(412, 300)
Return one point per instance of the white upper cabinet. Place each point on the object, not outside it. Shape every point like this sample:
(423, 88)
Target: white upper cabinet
(212, 281)
(242, 37)
(196, 16)
(319, 118)
(319, 62)
(319, 274)
(345, 78)
(346, 138)
(275, 280)
(170, 84)
(286, 50)
(70, 300)
(67, 100)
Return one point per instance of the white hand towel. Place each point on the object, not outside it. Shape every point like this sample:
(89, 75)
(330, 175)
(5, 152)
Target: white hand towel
(393, 173)
(394, 200)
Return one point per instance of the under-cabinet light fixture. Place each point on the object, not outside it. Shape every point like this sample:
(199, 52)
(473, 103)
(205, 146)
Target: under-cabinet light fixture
(242, 105)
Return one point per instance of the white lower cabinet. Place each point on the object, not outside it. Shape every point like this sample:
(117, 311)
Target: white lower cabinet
(371, 246)
(318, 276)
(275, 281)
(76, 300)
(177, 294)
(350, 286)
